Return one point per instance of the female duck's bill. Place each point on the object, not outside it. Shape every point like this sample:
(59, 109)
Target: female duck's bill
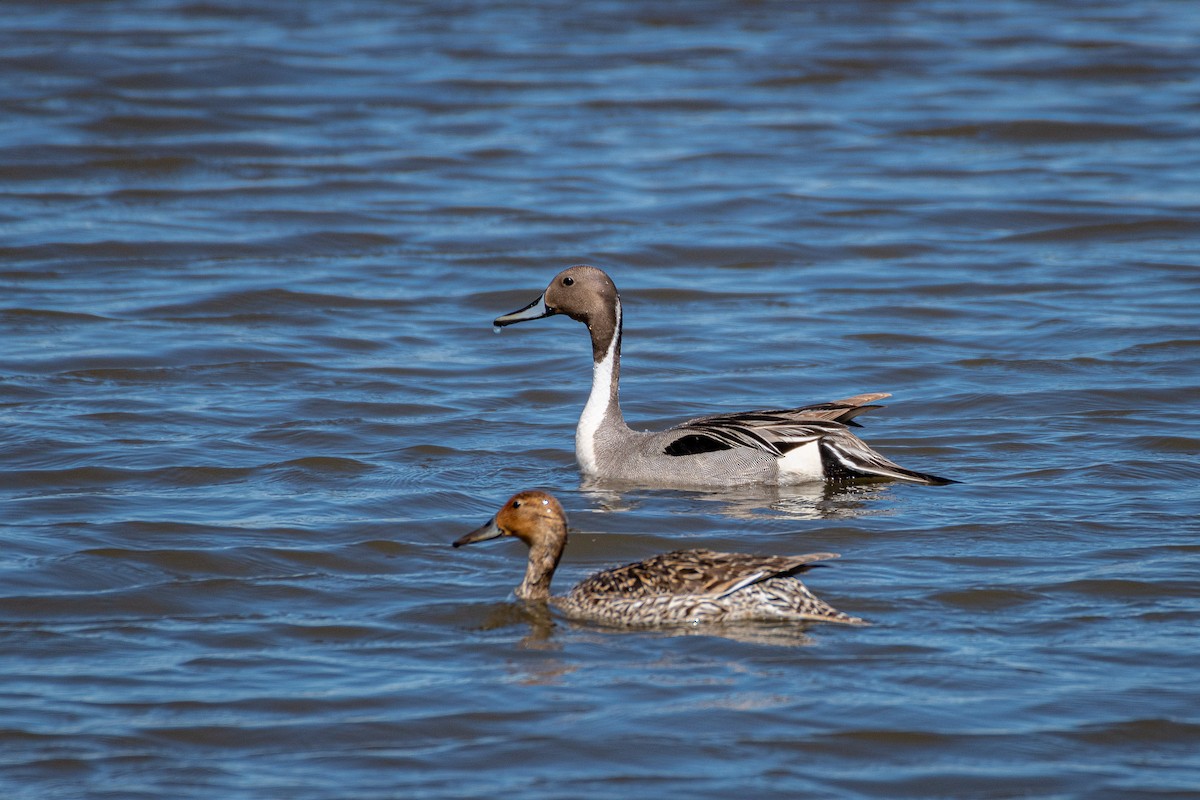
(489, 530)
(776, 446)
(681, 587)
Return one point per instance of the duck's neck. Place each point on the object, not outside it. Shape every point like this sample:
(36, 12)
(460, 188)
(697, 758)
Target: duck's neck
(603, 403)
(544, 556)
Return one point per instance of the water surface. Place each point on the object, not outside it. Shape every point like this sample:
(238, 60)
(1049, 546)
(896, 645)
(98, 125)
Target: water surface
(249, 393)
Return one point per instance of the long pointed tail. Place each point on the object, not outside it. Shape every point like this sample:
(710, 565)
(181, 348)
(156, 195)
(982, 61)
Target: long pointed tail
(849, 458)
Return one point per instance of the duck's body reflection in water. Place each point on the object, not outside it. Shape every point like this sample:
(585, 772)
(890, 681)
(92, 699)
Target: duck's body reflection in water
(543, 628)
(811, 501)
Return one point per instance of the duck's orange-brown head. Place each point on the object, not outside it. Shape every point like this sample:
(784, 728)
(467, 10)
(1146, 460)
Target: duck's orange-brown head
(532, 516)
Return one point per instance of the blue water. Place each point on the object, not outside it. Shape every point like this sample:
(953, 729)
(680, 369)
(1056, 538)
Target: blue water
(249, 393)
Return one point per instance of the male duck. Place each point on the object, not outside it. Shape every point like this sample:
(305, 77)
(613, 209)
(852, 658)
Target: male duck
(781, 447)
(681, 587)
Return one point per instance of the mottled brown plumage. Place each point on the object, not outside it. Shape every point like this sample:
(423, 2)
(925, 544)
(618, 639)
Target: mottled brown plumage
(680, 587)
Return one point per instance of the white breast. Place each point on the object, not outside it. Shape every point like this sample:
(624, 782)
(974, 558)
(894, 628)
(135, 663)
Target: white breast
(597, 405)
(592, 416)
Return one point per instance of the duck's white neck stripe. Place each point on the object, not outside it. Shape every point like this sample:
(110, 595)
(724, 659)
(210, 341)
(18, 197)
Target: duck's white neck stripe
(604, 393)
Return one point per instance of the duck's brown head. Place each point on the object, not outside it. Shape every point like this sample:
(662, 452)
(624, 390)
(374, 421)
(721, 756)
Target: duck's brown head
(581, 292)
(534, 517)
(585, 294)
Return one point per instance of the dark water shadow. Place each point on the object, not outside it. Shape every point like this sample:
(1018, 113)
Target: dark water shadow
(536, 616)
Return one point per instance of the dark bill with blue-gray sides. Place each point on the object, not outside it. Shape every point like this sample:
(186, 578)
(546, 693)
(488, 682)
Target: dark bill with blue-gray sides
(535, 310)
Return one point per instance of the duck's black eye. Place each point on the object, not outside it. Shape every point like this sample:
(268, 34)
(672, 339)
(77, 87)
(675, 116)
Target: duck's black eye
(568, 281)
(516, 504)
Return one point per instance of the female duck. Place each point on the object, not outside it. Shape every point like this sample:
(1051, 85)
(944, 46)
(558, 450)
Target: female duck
(682, 587)
(780, 447)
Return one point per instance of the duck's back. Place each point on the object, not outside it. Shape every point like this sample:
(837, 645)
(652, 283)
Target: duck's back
(696, 586)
